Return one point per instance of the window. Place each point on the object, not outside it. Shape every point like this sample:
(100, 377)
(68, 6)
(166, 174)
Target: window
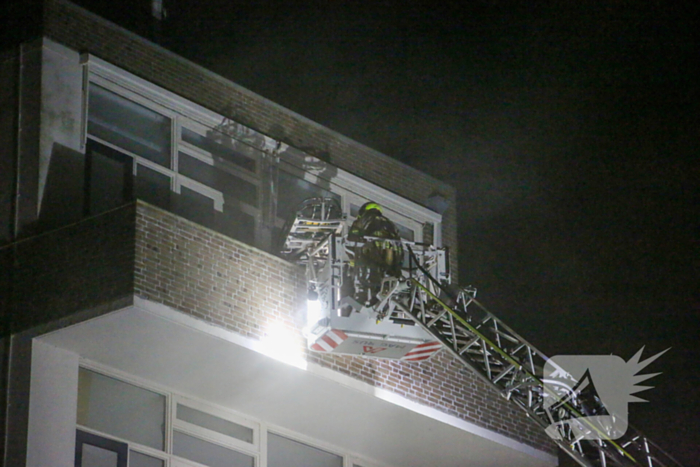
(137, 420)
(108, 178)
(210, 454)
(226, 170)
(153, 186)
(208, 177)
(222, 147)
(121, 409)
(127, 424)
(133, 127)
(214, 423)
(128, 152)
(137, 459)
(282, 452)
(292, 190)
(144, 142)
(97, 451)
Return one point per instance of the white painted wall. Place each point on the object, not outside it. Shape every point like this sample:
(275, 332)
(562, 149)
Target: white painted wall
(52, 407)
(167, 350)
(28, 136)
(18, 403)
(61, 105)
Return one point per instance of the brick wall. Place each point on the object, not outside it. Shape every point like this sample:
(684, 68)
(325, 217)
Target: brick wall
(159, 256)
(214, 278)
(232, 285)
(445, 384)
(85, 32)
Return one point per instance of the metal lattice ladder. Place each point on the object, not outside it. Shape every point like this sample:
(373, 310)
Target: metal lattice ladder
(512, 366)
(482, 342)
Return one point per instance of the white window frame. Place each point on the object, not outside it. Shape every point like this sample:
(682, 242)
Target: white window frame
(257, 449)
(123, 89)
(206, 157)
(184, 113)
(251, 449)
(200, 129)
(148, 386)
(314, 443)
(354, 190)
(353, 461)
(415, 226)
(172, 423)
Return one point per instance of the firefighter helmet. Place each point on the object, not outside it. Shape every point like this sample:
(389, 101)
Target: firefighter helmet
(368, 207)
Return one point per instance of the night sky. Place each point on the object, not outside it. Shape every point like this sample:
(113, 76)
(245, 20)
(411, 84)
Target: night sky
(570, 132)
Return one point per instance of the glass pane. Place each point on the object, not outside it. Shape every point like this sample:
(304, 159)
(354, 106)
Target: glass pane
(235, 223)
(284, 452)
(196, 169)
(94, 456)
(222, 147)
(293, 190)
(153, 186)
(218, 178)
(208, 453)
(213, 423)
(110, 177)
(136, 459)
(428, 233)
(129, 125)
(195, 207)
(121, 409)
(405, 232)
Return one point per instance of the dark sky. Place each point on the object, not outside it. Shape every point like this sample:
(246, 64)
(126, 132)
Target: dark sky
(570, 132)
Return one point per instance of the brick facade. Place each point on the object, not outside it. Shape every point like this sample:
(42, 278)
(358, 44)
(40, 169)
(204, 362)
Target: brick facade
(232, 285)
(102, 262)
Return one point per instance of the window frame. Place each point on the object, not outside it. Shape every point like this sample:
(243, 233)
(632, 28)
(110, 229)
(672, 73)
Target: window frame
(171, 423)
(203, 156)
(139, 383)
(303, 439)
(177, 180)
(261, 429)
(195, 151)
(186, 114)
(83, 437)
(251, 449)
(354, 190)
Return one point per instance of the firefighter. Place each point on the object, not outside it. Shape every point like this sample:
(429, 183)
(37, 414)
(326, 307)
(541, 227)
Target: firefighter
(379, 252)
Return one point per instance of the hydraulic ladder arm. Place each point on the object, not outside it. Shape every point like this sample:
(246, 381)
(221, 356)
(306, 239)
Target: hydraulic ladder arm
(501, 357)
(512, 366)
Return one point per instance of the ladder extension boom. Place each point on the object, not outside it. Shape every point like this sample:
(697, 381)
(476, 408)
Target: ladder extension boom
(317, 239)
(511, 365)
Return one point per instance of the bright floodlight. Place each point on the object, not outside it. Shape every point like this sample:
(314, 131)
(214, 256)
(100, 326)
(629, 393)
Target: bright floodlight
(314, 312)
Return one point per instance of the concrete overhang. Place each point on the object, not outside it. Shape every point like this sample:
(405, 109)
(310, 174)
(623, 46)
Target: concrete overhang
(193, 358)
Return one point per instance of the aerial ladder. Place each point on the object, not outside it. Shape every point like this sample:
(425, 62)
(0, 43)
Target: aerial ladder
(420, 313)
